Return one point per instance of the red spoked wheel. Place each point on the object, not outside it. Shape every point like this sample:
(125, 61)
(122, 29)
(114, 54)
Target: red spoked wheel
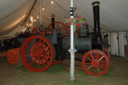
(37, 53)
(35, 30)
(95, 63)
(59, 26)
(107, 53)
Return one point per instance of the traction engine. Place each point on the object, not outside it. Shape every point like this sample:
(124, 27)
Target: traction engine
(39, 52)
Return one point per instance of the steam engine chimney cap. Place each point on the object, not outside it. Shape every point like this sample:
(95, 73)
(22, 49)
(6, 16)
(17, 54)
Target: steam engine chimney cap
(95, 3)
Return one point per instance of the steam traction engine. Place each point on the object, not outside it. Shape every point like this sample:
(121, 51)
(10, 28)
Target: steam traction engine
(39, 52)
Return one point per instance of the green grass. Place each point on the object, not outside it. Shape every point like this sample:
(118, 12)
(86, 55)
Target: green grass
(51, 69)
(54, 69)
(108, 74)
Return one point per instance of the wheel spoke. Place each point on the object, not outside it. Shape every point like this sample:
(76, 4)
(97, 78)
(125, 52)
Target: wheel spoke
(89, 58)
(29, 58)
(41, 55)
(39, 62)
(93, 69)
(97, 56)
(101, 58)
(28, 55)
(28, 47)
(34, 42)
(45, 57)
(42, 50)
(43, 63)
(39, 40)
(87, 63)
(35, 63)
(102, 62)
(101, 67)
(28, 51)
(98, 69)
(32, 62)
(89, 67)
(92, 56)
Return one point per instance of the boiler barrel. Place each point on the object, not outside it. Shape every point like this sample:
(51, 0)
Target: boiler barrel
(82, 43)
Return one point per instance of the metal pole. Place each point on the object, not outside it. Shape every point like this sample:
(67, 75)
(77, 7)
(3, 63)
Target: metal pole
(71, 50)
(40, 12)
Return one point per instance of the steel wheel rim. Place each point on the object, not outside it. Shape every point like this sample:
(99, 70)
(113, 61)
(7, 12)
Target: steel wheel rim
(31, 53)
(57, 24)
(35, 30)
(95, 63)
(107, 53)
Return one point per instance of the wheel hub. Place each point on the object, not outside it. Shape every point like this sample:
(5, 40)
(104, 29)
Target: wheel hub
(35, 52)
(95, 63)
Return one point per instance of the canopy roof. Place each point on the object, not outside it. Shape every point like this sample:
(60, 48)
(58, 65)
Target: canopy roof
(13, 13)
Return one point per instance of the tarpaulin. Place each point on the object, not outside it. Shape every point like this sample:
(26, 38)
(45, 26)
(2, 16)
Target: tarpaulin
(12, 55)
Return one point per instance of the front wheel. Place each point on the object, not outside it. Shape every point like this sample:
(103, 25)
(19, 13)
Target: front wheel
(95, 62)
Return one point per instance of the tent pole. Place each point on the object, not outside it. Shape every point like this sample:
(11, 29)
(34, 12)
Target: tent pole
(40, 12)
(127, 42)
(118, 43)
(110, 43)
(71, 50)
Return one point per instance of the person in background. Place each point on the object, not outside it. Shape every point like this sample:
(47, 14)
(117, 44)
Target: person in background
(105, 41)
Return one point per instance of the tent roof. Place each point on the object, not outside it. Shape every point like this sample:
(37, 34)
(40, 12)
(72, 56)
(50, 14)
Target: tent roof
(113, 13)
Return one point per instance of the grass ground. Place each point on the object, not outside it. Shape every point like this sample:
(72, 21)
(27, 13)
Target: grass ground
(10, 74)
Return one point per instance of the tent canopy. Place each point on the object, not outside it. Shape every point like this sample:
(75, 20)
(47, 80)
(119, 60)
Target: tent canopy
(14, 13)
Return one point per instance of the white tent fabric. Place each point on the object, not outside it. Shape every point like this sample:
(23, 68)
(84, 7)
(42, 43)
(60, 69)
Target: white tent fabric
(122, 43)
(114, 46)
(113, 13)
(113, 16)
(12, 13)
(118, 42)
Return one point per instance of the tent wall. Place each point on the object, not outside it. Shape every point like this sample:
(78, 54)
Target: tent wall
(118, 43)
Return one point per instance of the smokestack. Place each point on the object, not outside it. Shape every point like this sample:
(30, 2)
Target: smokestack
(96, 37)
(53, 20)
(96, 17)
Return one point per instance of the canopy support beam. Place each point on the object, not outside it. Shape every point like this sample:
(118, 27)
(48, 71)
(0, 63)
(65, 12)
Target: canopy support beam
(29, 12)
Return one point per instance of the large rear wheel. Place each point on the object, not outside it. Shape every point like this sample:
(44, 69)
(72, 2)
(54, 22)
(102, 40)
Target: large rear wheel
(37, 53)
